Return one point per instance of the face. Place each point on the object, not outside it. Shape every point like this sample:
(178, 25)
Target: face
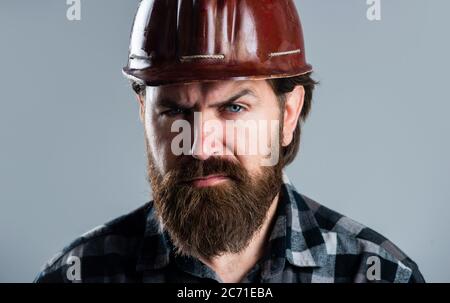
(213, 159)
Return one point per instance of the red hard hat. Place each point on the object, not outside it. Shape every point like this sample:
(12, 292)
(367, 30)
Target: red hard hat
(175, 41)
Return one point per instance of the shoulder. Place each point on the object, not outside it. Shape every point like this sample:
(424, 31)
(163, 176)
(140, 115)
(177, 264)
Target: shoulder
(113, 242)
(355, 245)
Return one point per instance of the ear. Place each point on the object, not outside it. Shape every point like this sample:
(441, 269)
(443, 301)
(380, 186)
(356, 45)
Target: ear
(141, 100)
(292, 110)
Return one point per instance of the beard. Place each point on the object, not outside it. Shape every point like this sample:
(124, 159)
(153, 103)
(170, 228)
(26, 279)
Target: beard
(211, 221)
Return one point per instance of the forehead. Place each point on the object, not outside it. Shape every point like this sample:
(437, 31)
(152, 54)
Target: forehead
(191, 93)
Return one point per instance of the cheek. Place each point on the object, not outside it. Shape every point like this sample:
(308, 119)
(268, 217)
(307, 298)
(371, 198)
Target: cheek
(257, 139)
(159, 139)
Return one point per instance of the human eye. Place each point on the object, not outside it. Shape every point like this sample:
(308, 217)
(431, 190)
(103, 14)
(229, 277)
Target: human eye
(234, 108)
(173, 112)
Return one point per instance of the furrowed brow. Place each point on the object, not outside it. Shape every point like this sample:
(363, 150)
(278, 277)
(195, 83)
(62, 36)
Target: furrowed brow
(170, 103)
(240, 94)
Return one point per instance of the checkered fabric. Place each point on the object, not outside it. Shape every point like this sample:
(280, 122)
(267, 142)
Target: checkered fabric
(308, 243)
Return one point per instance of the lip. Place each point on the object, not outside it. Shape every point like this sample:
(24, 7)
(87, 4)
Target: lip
(210, 180)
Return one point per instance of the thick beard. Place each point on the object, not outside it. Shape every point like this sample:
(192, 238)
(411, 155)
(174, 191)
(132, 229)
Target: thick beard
(211, 221)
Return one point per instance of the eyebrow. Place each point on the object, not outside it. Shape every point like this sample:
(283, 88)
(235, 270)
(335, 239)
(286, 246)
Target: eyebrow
(240, 94)
(171, 103)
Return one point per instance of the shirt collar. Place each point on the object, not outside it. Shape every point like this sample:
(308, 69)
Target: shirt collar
(295, 237)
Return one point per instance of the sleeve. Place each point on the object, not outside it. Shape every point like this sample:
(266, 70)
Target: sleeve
(46, 276)
(60, 269)
(416, 275)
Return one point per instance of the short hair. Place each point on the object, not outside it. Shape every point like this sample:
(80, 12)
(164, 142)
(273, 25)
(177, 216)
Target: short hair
(138, 87)
(281, 87)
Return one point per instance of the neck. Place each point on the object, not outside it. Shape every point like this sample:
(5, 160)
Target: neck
(232, 268)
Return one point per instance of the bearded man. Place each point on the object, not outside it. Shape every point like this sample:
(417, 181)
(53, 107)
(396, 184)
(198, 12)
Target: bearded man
(214, 79)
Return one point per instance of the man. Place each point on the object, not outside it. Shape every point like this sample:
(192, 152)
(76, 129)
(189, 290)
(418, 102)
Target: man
(223, 87)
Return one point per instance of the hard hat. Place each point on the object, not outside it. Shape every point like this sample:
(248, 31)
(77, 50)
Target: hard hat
(182, 41)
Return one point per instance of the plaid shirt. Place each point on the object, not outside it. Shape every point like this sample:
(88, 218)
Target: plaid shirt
(308, 243)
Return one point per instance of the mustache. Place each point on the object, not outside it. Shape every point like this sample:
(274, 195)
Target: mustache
(192, 168)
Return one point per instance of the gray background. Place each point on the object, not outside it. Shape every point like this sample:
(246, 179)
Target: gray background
(375, 148)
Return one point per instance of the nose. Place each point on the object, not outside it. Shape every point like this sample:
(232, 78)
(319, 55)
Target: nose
(207, 136)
